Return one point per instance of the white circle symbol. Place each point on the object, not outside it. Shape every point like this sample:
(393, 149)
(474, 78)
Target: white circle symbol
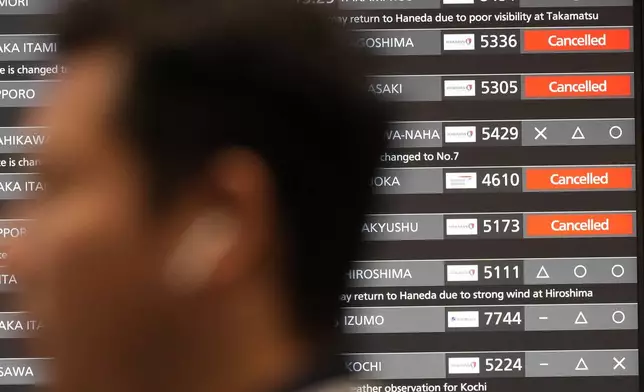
(617, 270)
(616, 132)
(580, 271)
(618, 317)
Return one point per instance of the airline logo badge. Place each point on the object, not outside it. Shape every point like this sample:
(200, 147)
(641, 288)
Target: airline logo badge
(460, 88)
(460, 181)
(459, 42)
(460, 134)
(462, 273)
(462, 227)
(463, 319)
(464, 366)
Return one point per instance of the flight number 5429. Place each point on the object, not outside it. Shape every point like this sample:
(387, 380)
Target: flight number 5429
(500, 133)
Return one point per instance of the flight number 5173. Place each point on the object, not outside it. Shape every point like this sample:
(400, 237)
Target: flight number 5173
(501, 226)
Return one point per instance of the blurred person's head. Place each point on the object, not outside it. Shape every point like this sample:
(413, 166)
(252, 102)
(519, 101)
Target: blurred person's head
(207, 175)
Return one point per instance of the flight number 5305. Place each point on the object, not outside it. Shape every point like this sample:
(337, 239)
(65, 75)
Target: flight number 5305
(499, 87)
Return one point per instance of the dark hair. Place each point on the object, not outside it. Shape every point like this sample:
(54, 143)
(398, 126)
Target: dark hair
(268, 75)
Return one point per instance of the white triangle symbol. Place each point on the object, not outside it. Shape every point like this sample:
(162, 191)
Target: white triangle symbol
(578, 135)
(581, 319)
(543, 274)
(581, 365)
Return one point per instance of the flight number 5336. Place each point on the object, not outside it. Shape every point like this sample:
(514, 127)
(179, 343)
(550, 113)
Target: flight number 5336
(499, 41)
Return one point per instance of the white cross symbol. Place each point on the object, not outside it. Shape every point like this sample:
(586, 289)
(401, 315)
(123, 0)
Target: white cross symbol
(541, 133)
(619, 363)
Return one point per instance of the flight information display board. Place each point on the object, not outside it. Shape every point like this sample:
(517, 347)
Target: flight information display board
(502, 252)
(27, 67)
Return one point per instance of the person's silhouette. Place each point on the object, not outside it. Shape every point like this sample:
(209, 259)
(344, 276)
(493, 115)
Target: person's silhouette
(206, 177)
